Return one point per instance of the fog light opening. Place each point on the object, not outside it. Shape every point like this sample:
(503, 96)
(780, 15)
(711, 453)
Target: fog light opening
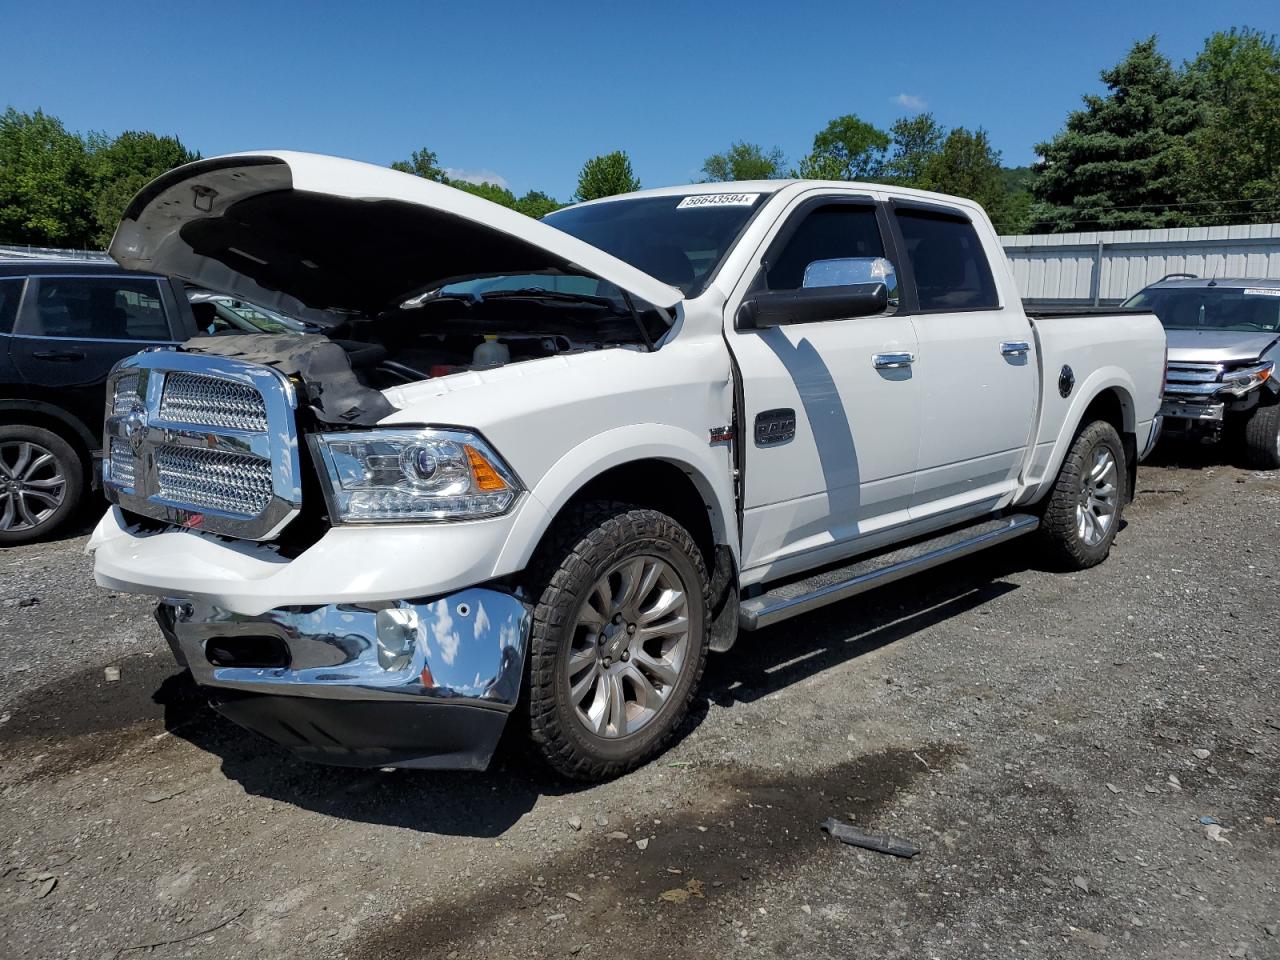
(398, 629)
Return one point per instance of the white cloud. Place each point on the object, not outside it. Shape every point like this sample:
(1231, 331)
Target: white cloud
(476, 176)
(910, 101)
(446, 638)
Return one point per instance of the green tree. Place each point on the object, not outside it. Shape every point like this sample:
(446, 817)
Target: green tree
(605, 176)
(847, 148)
(1125, 159)
(45, 182)
(422, 163)
(744, 161)
(537, 204)
(915, 141)
(490, 191)
(968, 166)
(124, 165)
(1236, 152)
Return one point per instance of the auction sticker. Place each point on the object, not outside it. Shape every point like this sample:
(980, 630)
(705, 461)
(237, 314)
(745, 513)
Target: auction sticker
(718, 200)
(1249, 291)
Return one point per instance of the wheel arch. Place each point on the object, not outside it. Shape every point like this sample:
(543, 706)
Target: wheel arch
(37, 413)
(648, 465)
(1108, 394)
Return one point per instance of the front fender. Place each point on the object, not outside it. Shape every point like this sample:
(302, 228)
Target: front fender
(708, 466)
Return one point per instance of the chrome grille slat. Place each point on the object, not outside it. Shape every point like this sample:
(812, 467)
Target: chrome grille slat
(214, 480)
(203, 442)
(212, 401)
(125, 393)
(121, 463)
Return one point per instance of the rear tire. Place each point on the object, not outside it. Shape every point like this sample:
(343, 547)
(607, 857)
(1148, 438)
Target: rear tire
(619, 638)
(1262, 437)
(1083, 511)
(41, 479)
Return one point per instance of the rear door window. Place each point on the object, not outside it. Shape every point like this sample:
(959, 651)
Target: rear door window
(97, 308)
(950, 267)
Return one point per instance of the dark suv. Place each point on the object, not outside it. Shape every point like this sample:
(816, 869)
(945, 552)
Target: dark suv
(63, 325)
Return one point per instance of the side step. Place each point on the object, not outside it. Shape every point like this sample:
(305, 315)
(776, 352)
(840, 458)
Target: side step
(830, 586)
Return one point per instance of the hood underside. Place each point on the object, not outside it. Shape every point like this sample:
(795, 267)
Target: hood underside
(1216, 346)
(311, 236)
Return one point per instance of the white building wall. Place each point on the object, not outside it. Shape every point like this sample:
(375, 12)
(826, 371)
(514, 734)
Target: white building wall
(1109, 266)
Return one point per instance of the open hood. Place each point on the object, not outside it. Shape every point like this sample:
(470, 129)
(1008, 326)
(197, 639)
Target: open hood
(308, 235)
(1216, 346)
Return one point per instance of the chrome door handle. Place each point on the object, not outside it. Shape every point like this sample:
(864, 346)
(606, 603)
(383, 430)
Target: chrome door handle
(893, 361)
(1015, 348)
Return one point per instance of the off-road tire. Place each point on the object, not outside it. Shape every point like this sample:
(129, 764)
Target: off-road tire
(1059, 536)
(68, 464)
(583, 544)
(1262, 437)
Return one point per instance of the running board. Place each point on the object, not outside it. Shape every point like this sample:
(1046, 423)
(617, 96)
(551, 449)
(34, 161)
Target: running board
(801, 596)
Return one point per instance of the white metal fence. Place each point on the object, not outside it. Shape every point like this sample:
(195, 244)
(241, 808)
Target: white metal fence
(1110, 266)
(20, 252)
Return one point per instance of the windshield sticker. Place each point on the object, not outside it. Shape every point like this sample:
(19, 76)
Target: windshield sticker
(718, 200)
(1262, 291)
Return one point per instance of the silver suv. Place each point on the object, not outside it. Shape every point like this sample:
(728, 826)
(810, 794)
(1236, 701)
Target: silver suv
(1224, 342)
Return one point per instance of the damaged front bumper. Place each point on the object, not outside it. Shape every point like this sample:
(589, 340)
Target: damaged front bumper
(411, 683)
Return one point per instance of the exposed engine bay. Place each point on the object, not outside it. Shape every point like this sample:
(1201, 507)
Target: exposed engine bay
(343, 370)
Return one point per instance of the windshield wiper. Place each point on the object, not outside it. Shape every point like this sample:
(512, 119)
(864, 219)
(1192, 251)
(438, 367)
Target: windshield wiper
(538, 293)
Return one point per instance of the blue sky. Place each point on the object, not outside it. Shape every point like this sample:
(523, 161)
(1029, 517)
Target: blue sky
(525, 92)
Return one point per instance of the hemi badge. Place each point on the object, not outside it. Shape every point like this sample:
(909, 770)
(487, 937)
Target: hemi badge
(722, 434)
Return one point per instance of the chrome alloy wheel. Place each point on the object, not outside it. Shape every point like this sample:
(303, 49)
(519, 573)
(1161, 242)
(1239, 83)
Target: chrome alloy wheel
(31, 485)
(629, 647)
(1099, 496)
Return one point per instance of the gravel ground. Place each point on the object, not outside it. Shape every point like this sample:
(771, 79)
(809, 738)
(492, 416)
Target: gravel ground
(1051, 741)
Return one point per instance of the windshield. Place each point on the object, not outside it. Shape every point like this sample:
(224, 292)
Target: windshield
(1236, 309)
(677, 239)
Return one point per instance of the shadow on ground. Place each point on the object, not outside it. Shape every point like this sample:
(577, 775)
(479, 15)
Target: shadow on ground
(84, 720)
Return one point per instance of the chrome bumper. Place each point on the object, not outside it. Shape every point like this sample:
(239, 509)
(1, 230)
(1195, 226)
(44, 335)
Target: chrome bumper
(422, 683)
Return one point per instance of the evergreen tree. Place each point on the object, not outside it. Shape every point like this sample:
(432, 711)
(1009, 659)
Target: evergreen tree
(1124, 160)
(968, 166)
(915, 142)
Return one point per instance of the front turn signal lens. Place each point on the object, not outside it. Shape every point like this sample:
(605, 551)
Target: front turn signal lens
(483, 472)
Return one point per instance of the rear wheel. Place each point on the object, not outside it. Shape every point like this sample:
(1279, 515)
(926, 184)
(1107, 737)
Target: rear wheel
(1262, 437)
(41, 478)
(618, 641)
(1084, 508)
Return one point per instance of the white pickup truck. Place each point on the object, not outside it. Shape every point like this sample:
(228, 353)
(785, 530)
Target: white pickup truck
(545, 467)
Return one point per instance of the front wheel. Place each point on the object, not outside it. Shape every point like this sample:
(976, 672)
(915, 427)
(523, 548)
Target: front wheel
(1262, 437)
(1083, 511)
(41, 478)
(618, 642)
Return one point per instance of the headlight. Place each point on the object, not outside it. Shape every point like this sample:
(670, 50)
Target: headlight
(375, 476)
(1241, 381)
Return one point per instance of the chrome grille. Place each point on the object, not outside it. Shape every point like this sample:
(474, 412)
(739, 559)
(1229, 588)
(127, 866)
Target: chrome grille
(1191, 379)
(213, 480)
(125, 393)
(212, 401)
(203, 442)
(121, 463)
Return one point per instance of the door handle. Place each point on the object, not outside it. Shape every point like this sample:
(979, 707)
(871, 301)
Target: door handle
(1015, 348)
(893, 361)
(58, 356)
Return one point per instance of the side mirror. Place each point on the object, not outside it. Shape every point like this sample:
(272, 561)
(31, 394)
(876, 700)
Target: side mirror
(774, 308)
(845, 271)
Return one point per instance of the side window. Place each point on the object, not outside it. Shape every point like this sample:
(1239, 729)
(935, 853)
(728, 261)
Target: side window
(834, 232)
(950, 267)
(10, 294)
(98, 308)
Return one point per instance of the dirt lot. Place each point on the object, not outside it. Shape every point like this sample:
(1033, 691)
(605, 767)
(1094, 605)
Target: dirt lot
(1051, 741)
